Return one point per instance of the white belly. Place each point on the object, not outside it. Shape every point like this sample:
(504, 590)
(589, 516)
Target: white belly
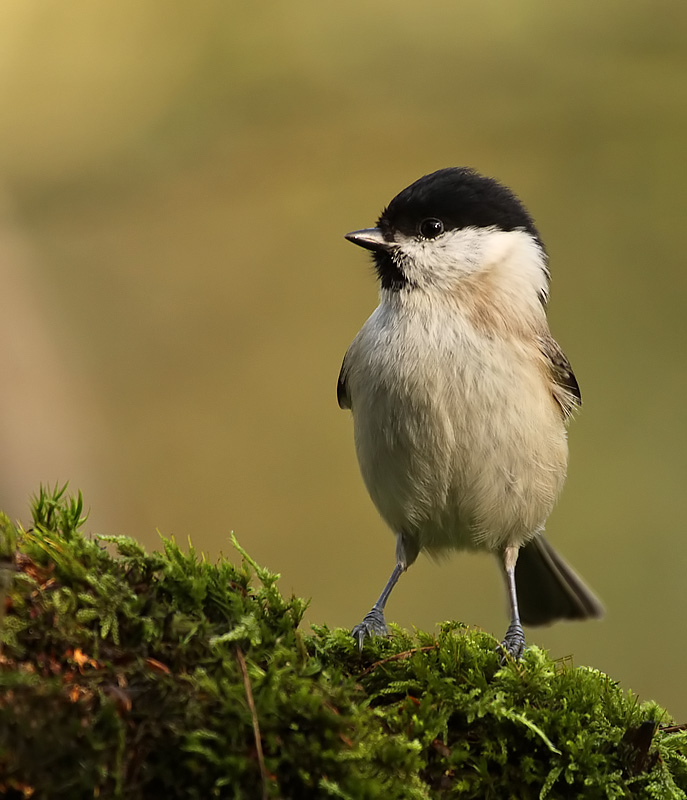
(459, 440)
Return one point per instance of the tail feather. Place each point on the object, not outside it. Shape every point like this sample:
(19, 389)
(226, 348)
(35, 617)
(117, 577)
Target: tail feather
(548, 589)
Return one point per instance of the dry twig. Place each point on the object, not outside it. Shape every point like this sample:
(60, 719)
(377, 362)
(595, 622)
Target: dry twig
(398, 657)
(256, 727)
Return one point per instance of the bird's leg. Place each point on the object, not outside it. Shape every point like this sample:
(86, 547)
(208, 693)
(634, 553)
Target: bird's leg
(374, 624)
(513, 642)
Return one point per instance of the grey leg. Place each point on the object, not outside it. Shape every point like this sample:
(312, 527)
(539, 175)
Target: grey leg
(374, 624)
(514, 641)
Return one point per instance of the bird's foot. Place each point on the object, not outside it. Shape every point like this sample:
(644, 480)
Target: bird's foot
(513, 643)
(373, 624)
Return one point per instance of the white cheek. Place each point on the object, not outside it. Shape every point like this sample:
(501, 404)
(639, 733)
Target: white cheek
(441, 263)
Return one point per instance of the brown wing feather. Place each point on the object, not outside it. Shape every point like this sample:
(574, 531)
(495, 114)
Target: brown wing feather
(566, 390)
(342, 389)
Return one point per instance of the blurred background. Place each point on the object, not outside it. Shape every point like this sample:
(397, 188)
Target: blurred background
(177, 295)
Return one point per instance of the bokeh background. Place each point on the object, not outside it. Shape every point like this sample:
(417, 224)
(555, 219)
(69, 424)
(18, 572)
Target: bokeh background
(177, 296)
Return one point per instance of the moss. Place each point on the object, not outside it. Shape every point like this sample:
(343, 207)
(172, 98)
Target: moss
(126, 674)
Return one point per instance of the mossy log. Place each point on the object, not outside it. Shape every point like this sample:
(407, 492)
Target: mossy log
(132, 675)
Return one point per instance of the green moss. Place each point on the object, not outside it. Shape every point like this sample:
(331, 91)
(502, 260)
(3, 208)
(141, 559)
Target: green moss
(126, 674)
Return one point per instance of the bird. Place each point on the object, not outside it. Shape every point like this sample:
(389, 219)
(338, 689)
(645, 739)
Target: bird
(461, 397)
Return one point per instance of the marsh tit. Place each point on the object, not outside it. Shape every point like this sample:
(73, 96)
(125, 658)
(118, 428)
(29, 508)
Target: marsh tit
(461, 397)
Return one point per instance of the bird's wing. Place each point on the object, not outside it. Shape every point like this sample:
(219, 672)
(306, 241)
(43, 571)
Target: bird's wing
(566, 391)
(342, 394)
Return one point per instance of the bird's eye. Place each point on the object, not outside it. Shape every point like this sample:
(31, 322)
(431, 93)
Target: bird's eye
(431, 228)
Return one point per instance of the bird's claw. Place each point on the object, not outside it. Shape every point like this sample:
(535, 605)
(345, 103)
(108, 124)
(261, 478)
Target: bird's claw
(373, 624)
(513, 644)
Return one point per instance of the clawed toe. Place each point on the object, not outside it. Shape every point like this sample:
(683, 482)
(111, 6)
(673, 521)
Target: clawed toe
(513, 643)
(373, 624)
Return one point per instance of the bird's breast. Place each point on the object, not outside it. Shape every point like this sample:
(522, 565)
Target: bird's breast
(457, 436)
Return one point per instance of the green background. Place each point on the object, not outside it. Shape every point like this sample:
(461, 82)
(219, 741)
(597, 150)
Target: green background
(177, 296)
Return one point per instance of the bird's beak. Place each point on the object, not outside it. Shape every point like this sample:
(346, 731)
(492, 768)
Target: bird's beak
(370, 239)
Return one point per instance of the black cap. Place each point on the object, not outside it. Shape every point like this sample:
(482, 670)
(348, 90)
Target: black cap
(460, 198)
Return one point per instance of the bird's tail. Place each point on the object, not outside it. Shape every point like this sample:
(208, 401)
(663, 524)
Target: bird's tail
(548, 589)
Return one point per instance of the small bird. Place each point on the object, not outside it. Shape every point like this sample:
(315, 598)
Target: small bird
(461, 397)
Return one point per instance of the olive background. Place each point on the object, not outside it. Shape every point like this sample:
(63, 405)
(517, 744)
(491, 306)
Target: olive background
(177, 296)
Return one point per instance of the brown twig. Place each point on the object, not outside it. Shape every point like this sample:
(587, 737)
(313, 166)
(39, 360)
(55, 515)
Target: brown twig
(398, 657)
(673, 728)
(256, 727)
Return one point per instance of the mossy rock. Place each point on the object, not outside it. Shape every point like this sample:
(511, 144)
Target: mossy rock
(134, 675)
